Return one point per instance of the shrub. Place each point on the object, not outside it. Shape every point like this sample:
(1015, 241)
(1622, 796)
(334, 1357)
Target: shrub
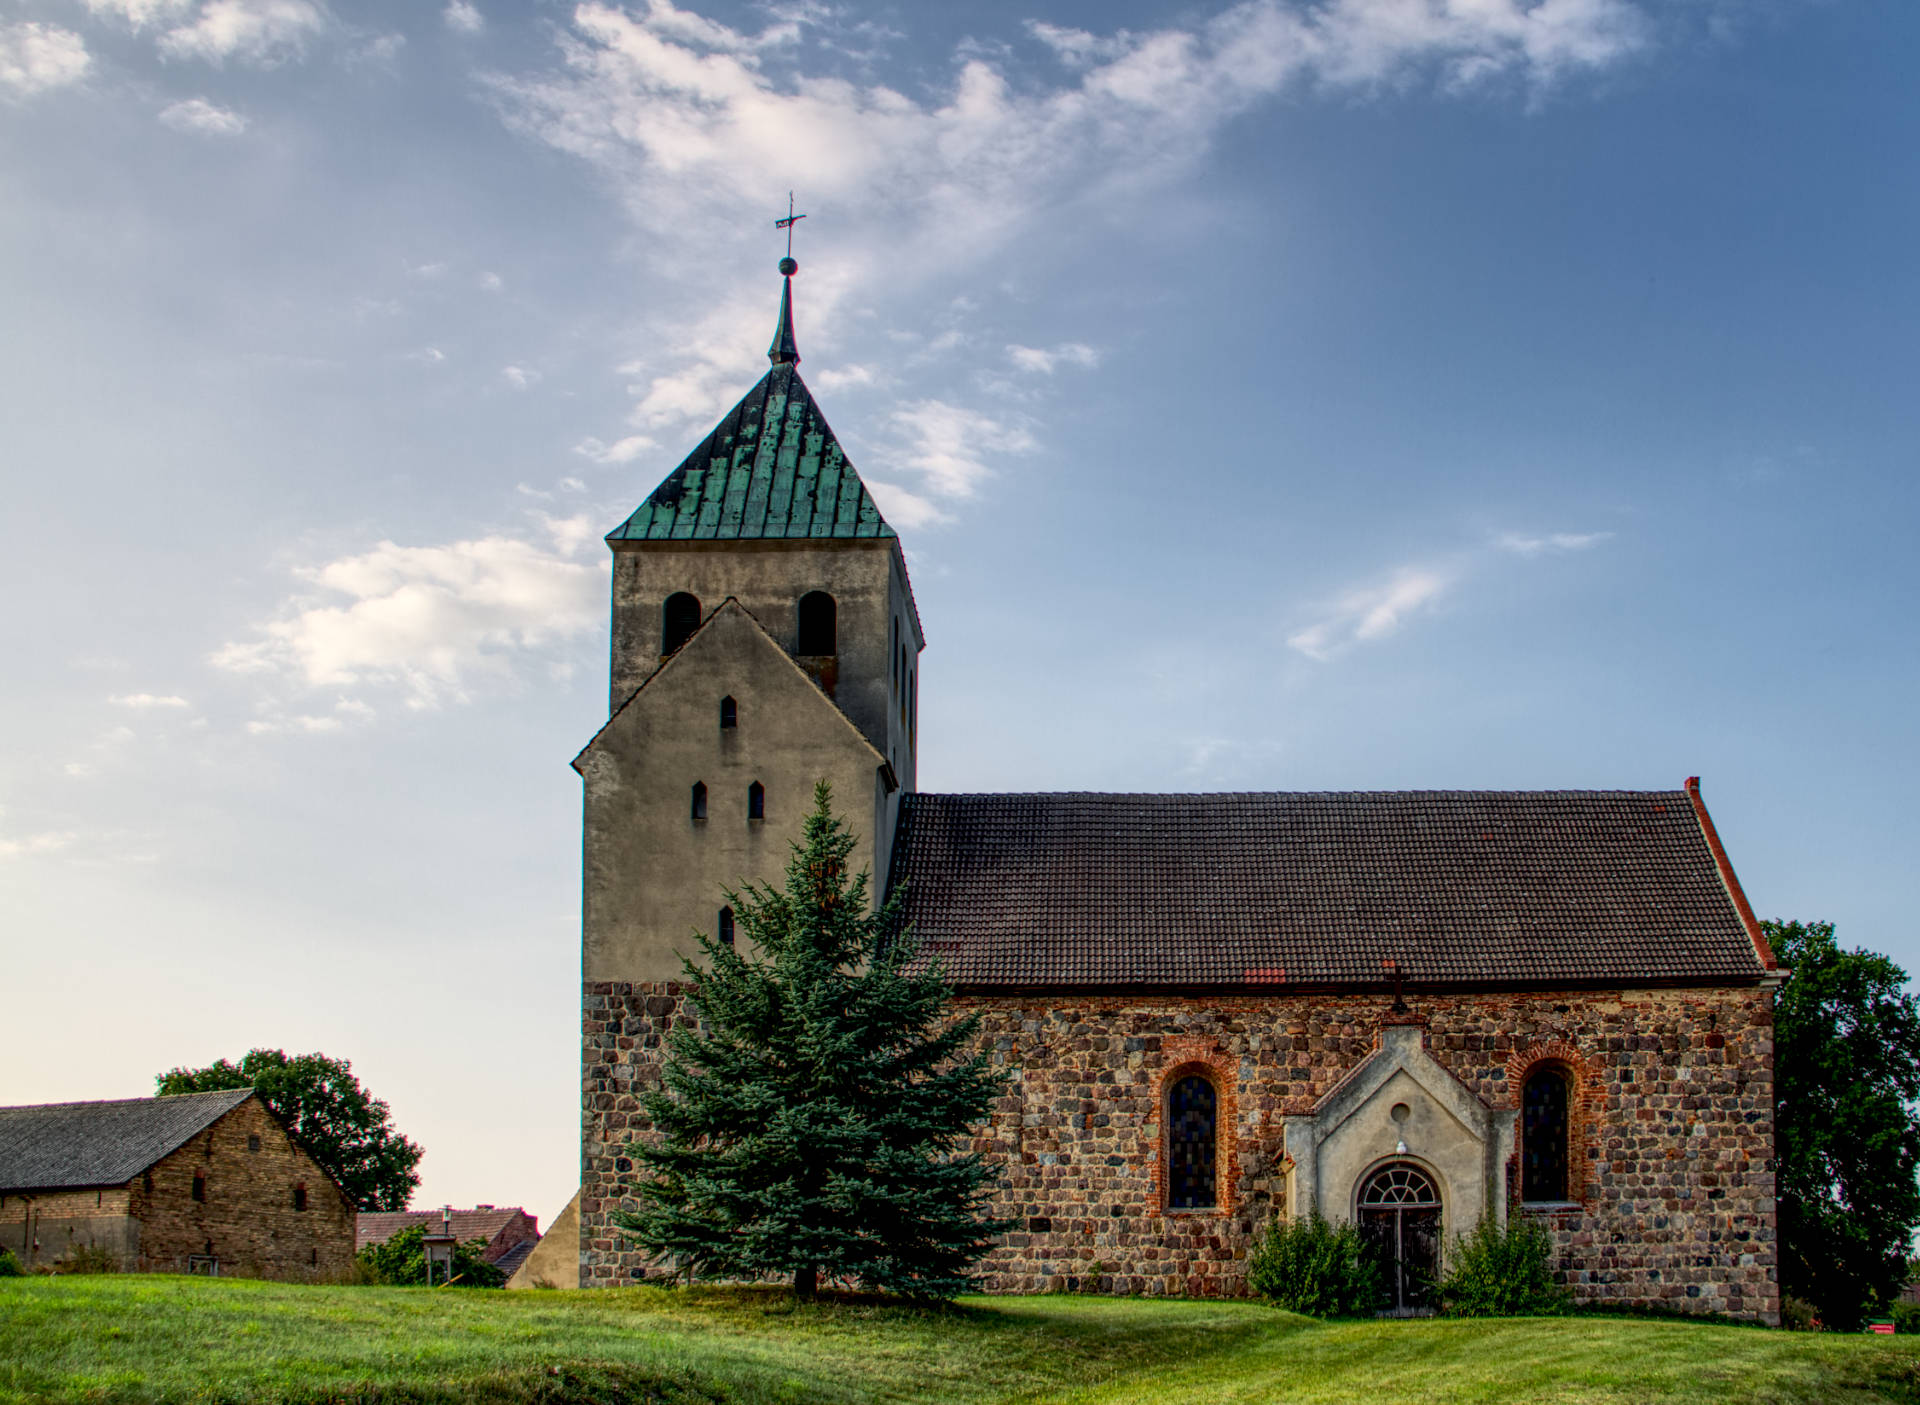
(403, 1260)
(1495, 1272)
(10, 1266)
(1905, 1315)
(1312, 1267)
(1797, 1314)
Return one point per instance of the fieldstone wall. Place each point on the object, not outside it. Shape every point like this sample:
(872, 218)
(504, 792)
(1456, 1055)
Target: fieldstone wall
(1672, 1130)
(249, 1220)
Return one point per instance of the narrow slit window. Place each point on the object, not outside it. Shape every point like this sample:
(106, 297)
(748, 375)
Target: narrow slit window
(725, 925)
(913, 708)
(699, 800)
(199, 1186)
(756, 801)
(679, 617)
(300, 1196)
(818, 625)
(729, 714)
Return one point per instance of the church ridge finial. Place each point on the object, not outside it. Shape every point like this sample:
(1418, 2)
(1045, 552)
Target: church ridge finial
(784, 352)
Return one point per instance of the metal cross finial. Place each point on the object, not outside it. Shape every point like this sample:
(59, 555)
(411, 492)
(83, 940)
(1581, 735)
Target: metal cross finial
(788, 223)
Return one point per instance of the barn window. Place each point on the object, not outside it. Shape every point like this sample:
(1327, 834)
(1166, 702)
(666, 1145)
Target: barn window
(679, 617)
(300, 1196)
(726, 926)
(199, 1186)
(818, 629)
(1191, 1119)
(756, 801)
(699, 800)
(1543, 1135)
(729, 714)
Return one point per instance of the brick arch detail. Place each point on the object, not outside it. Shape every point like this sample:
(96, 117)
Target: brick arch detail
(1586, 1101)
(1181, 1059)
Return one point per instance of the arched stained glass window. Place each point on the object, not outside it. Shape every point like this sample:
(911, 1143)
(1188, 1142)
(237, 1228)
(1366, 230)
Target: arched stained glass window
(756, 801)
(818, 630)
(1543, 1135)
(1191, 1126)
(726, 926)
(699, 800)
(679, 617)
(729, 714)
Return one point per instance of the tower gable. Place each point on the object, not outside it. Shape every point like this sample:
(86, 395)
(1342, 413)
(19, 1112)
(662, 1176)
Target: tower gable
(655, 859)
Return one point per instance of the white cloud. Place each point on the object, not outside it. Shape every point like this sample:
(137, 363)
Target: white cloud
(48, 842)
(903, 508)
(37, 58)
(269, 726)
(843, 377)
(431, 269)
(1073, 353)
(1371, 613)
(199, 115)
(140, 13)
(463, 17)
(427, 619)
(519, 377)
(149, 700)
(693, 122)
(491, 282)
(427, 356)
(382, 48)
(948, 444)
(620, 451)
(1522, 545)
(262, 32)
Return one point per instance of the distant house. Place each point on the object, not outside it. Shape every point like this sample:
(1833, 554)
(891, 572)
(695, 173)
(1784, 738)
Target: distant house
(196, 1183)
(510, 1232)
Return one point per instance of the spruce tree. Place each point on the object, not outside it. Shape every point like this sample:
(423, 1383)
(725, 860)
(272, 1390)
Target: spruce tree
(811, 1124)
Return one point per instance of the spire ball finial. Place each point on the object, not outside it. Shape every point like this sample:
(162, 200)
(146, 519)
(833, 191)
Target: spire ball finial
(788, 266)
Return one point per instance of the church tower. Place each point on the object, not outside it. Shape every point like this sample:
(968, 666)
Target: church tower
(764, 639)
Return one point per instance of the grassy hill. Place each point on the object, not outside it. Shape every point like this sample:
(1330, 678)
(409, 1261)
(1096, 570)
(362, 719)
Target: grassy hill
(158, 1338)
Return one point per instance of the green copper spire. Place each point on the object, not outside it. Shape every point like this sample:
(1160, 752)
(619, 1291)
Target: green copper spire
(783, 352)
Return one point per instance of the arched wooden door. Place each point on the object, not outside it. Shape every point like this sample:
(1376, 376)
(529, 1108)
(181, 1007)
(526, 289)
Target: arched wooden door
(1400, 1221)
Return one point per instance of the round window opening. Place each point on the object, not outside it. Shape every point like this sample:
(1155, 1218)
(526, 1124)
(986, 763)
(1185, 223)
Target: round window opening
(1401, 1112)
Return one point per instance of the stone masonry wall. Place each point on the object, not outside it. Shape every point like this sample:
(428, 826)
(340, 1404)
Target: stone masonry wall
(45, 1228)
(248, 1220)
(1672, 1145)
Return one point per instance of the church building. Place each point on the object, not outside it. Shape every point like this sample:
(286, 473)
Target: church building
(1407, 1009)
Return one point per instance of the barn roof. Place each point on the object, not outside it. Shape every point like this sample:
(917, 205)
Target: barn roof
(54, 1146)
(1277, 890)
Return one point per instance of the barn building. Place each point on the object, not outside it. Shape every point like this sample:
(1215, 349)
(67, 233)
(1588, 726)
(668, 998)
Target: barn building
(194, 1183)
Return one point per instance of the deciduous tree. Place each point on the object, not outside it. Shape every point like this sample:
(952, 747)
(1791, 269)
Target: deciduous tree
(1846, 1075)
(336, 1121)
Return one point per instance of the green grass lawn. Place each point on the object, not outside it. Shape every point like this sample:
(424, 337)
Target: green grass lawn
(160, 1338)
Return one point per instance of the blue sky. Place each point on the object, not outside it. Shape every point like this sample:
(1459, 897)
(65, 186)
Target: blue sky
(1369, 394)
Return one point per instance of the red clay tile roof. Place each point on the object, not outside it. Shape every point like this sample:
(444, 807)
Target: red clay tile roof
(1285, 889)
(378, 1226)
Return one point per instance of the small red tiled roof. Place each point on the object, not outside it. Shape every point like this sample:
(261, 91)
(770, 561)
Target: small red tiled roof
(1266, 891)
(378, 1226)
